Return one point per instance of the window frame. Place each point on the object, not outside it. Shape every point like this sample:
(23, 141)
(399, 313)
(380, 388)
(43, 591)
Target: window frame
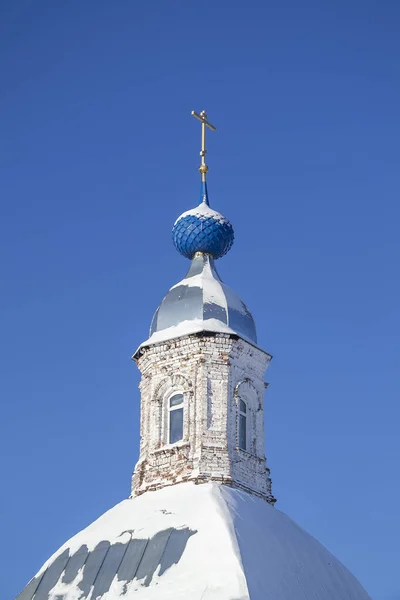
(243, 417)
(171, 409)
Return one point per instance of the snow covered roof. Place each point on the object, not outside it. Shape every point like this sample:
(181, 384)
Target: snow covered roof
(197, 542)
(203, 210)
(201, 302)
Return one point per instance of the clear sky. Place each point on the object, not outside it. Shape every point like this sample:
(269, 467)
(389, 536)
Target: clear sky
(99, 156)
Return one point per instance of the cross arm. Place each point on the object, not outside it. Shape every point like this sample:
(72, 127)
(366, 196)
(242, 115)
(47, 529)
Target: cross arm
(203, 119)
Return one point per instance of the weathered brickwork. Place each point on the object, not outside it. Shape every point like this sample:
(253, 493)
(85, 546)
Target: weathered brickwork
(213, 372)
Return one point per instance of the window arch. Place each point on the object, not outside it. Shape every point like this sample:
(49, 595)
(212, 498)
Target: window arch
(175, 418)
(242, 424)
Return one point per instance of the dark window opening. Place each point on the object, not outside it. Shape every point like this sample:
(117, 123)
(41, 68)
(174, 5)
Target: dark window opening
(175, 418)
(242, 425)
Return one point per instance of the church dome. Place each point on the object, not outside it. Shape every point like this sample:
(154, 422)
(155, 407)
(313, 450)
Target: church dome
(204, 541)
(202, 229)
(201, 302)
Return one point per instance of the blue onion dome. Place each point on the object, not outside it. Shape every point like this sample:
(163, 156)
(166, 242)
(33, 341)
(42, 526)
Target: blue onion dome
(202, 229)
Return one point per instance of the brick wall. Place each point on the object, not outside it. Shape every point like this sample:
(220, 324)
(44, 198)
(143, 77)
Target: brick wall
(212, 372)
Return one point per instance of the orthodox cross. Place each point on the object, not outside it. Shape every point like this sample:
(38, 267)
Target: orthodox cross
(202, 117)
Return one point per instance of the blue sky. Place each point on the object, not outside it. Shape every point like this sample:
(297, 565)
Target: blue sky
(99, 156)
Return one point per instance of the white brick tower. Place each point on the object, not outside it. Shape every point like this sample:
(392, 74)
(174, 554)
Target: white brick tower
(217, 380)
(202, 387)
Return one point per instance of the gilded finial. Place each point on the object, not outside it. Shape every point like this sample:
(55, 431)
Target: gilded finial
(202, 117)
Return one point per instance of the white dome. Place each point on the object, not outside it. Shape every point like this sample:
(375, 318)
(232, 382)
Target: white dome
(197, 542)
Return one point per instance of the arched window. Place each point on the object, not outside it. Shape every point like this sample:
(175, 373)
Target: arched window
(175, 418)
(242, 425)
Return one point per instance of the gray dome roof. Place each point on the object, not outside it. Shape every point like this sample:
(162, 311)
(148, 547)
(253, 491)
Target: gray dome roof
(201, 302)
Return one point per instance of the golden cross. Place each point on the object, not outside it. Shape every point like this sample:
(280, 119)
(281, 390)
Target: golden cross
(202, 117)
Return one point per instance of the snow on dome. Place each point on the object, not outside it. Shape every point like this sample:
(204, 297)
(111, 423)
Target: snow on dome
(201, 302)
(203, 542)
(203, 210)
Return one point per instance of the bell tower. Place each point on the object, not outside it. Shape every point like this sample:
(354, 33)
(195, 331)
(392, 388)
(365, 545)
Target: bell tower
(202, 386)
